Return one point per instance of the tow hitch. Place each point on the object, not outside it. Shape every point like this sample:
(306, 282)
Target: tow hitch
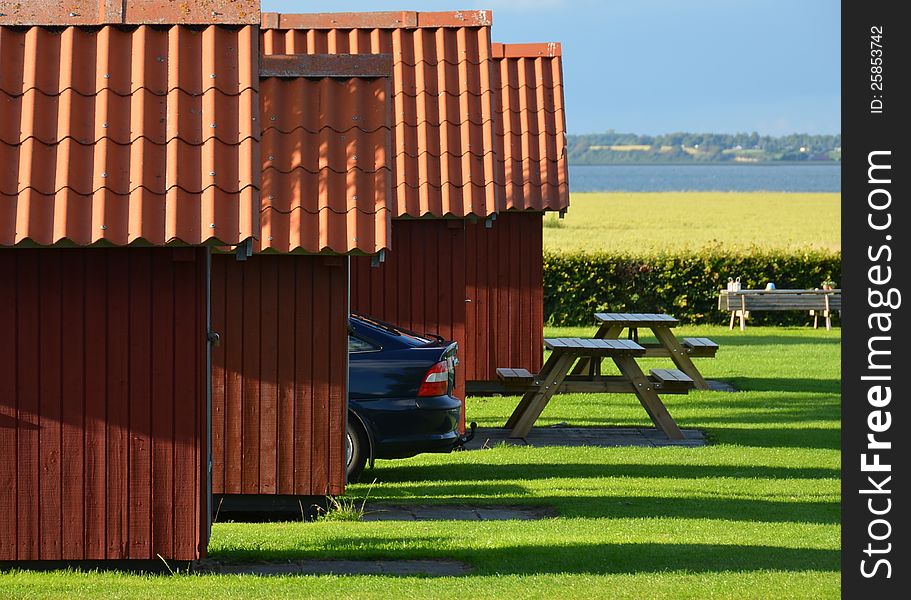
(464, 439)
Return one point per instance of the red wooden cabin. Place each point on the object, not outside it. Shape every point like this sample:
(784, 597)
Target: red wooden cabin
(279, 393)
(125, 154)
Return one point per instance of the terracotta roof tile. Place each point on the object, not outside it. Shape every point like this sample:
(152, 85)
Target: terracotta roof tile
(531, 128)
(124, 135)
(327, 174)
(443, 99)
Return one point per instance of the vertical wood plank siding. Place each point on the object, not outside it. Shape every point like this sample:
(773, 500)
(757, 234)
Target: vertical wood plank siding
(479, 286)
(421, 284)
(505, 283)
(103, 403)
(279, 376)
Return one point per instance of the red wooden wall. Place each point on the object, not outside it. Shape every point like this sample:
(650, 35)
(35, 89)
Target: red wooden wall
(504, 275)
(421, 284)
(279, 376)
(103, 403)
(482, 287)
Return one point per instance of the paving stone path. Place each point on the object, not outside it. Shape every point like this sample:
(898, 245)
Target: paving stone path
(488, 437)
(377, 511)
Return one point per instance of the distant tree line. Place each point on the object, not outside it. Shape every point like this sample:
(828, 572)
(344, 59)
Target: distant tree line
(612, 147)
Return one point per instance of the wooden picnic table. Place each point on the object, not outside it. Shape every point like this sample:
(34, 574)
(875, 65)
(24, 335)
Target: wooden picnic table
(555, 376)
(668, 346)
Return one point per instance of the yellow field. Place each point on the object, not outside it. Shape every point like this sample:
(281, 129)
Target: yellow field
(646, 223)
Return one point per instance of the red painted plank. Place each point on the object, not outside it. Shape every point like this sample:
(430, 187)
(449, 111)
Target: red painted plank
(95, 406)
(233, 344)
(188, 331)
(252, 287)
(73, 405)
(29, 423)
(49, 438)
(286, 331)
(322, 305)
(477, 353)
(305, 347)
(199, 338)
(410, 283)
(118, 336)
(9, 418)
(468, 354)
(163, 392)
(536, 284)
(140, 405)
(219, 298)
(268, 382)
(440, 296)
(458, 316)
(338, 365)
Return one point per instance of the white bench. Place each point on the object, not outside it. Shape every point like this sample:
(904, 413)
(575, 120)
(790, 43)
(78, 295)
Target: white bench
(817, 302)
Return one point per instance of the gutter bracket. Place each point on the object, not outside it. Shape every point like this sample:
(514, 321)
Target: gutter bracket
(378, 259)
(244, 249)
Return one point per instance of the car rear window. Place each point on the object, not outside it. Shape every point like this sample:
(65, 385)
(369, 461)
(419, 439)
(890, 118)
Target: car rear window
(406, 335)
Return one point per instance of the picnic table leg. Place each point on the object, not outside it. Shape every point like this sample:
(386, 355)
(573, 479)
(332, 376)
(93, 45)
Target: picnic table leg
(733, 316)
(648, 397)
(535, 399)
(680, 356)
(544, 374)
(605, 332)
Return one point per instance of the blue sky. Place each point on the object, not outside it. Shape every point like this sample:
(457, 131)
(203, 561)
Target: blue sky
(658, 66)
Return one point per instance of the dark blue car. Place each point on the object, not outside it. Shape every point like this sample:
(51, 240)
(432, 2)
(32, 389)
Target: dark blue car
(400, 400)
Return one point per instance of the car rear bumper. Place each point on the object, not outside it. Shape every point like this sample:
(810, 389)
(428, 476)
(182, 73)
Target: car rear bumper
(403, 427)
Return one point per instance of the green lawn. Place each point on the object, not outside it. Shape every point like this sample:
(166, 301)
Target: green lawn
(753, 515)
(644, 223)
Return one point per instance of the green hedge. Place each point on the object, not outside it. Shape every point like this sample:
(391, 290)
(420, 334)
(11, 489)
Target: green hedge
(684, 285)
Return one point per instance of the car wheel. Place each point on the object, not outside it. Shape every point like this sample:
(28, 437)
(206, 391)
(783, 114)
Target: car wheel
(356, 449)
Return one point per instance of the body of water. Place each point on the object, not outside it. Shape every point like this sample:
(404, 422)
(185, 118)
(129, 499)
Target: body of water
(724, 178)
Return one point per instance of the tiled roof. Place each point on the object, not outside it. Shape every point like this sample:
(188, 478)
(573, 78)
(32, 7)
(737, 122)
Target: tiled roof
(122, 135)
(531, 125)
(443, 99)
(326, 148)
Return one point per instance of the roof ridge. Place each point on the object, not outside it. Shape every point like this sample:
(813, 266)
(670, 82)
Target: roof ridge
(404, 19)
(501, 50)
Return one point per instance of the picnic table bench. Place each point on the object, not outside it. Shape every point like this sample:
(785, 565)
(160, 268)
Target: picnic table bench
(680, 351)
(817, 302)
(555, 377)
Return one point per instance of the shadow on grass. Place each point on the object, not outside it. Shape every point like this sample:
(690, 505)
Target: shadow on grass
(748, 338)
(470, 473)
(595, 559)
(639, 507)
(807, 437)
(781, 384)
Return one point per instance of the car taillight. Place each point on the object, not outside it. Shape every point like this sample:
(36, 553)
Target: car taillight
(436, 381)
